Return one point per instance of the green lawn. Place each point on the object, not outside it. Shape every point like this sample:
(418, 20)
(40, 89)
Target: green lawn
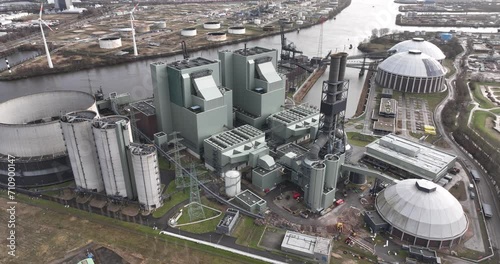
(479, 124)
(451, 68)
(175, 199)
(163, 163)
(203, 227)
(360, 140)
(247, 233)
(479, 97)
(496, 111)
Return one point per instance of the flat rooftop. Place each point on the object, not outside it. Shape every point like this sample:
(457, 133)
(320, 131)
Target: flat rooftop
(299, 242)
(402, 152)
(388, 106)
(251, 51)
(249, 197)
(235, 137)
(295, 114)
(146, 107)
(190, 63)
(384, 124)
(293, 148)
(375, 217)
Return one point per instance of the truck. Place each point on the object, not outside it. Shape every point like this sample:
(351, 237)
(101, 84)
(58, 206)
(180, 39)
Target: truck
(475, 175)
(487, 211)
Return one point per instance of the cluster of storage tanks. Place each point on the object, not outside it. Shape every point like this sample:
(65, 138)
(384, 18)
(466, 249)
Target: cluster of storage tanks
(214, 36)
(104, 158)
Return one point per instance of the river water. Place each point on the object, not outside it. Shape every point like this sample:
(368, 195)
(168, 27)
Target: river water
(351, 26)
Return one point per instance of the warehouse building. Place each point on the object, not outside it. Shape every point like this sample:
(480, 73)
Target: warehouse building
(250, 202)
(411, 71)
(189, 98)
(228, 222)
(409, 159)
(317, 248)
(422, 213)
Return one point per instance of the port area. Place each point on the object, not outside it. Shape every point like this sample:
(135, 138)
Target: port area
(74, 41)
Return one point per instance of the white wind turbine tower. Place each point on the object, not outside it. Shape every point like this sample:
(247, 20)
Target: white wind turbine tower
(133, 29)
(40, 21)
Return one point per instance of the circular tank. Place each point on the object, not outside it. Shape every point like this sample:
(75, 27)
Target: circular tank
(232, 182)
(216, 36)
(110, 144)
(257, 21)
(288, 24)
(237, 30)
(357, 178)
(30, 131)
(146, 175)
(160, 24)
(82, 152)
(299, 22)
(211, 25)
(110, 42)
(188, 32)
(142, 28)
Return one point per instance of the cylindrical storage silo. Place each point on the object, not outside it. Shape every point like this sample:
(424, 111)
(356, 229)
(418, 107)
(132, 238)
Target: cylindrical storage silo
(216, 36)
(160, 24)
(188, 32)
(147, 177)
(142, 28)
(110, 42)
(299, 22)
(357, 178)
(333, 163)
(232, 182)
(236, 30)
(77, 132)
(211, 25)
(112, 136)
(316, 183)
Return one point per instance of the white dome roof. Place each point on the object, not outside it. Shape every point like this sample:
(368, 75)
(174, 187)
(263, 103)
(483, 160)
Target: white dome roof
(413, 63)
(419, 44)
(422, 209)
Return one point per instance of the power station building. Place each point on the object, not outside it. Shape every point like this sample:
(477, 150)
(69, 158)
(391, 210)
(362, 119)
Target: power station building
(258, 89)
(30, 131)
(189, 98)
(422, 213)
(411, 71)
(409, 159)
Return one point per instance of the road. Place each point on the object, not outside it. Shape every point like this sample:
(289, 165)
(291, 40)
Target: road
(485, 190)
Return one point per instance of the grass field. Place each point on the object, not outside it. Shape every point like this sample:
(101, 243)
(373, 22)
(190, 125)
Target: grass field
(496, 111)
(360, 140)
(176, 198)
(48, 230)
(247, 233)
(459, 191)
(479, 123)
(203, 227)
(479, 97)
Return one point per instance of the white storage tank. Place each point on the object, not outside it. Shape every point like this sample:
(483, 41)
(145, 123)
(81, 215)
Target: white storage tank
(110, 42)
(82, 152)
(257, 21)
(232, 182)
(216, 36)
(112, 136)
(237, 30)
(146, 174)
(188, 32)
(299, 22)
(211, 25)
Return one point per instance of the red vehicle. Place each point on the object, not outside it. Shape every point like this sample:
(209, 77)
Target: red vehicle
(339, 202)
(296, 195)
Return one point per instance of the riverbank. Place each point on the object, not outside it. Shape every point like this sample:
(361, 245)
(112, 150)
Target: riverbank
(78, 61)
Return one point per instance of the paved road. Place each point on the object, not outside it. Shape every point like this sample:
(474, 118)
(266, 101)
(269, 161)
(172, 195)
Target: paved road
(484, 188)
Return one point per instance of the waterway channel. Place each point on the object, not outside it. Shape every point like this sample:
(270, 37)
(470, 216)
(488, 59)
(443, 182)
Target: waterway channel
(351, 26)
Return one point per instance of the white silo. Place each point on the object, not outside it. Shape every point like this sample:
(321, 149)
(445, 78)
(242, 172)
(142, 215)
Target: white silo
(147, 177)
(80, 143)
(112, 137)
(232, 183)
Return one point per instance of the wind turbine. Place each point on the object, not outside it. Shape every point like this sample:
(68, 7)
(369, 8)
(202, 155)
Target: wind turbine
(133, 29)
(40, 21)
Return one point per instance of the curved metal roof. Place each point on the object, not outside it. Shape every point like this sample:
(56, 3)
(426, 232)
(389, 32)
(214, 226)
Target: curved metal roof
(423, 209)
(412, 63)
(419, 44)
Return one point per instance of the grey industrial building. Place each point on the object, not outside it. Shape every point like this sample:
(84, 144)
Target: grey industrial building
(422, 213)
(409, 159)
(189, 99)
(250, 202)
(258, 89)
(411, 71)
(294, 124)
(317, 248)
(228, 222)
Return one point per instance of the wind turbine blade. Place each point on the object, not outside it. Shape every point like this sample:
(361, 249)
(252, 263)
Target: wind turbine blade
(47, 25)
(41, 8)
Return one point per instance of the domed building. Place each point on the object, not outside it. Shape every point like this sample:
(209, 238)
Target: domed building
(411, 71)
(419, 44)
(422, 213)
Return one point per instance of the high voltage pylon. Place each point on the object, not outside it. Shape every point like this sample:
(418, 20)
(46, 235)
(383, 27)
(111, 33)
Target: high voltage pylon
(195, 209)
(181, 180)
